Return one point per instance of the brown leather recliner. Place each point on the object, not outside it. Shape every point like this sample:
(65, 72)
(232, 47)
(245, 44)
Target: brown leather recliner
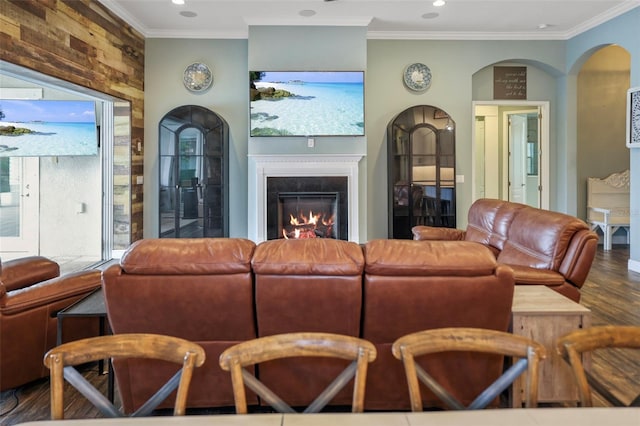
(31, 294)
(542, 247)
(312, 285)
(199, 289)
(411, 286)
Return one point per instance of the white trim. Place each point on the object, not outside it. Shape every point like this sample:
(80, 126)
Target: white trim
(633, 265)
(544, 167)
(303, 166)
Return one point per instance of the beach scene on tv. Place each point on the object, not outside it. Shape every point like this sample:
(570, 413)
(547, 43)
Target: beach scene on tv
(314, 103)
(35, 128)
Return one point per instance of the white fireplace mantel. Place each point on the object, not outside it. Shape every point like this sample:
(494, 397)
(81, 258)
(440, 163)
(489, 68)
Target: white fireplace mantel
(265, 166)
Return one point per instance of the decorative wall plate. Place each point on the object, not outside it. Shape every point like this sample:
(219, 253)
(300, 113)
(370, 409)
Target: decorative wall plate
(417, 77)
(197, 77)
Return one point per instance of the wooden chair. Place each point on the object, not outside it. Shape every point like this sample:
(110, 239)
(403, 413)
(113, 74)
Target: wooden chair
(528, 352)
(289, 345)
(62, 359)
(571, 346)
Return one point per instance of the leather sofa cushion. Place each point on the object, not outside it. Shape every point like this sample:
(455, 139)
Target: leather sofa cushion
(188, 256)
(428, 258)
(320, 256)
(23, 272)
(539, 238)
(490, 222)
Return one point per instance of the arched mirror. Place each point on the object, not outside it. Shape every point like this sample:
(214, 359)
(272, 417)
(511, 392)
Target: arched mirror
(194, 146)
(421, 170)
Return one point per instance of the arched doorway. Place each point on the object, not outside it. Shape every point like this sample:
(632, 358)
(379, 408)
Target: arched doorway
(194, 146)
(421, 170)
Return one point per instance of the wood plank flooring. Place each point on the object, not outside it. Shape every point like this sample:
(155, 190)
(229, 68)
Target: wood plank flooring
(611, 292)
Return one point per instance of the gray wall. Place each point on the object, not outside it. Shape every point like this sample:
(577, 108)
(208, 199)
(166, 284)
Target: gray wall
(461, 74)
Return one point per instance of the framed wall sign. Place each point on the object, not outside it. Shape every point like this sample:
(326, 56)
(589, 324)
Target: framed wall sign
(509, 82)
(633, 117)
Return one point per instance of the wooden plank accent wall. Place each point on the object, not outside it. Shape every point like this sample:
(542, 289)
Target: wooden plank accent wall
(82, 42)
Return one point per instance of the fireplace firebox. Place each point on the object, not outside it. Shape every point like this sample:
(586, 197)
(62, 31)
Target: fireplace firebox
(308, 214)
(307, 207)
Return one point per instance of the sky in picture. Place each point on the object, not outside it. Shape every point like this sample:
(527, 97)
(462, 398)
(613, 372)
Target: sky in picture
(314, 76)
(48, 111)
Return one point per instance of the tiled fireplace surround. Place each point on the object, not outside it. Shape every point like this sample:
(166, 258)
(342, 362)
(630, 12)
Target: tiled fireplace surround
(317, 166)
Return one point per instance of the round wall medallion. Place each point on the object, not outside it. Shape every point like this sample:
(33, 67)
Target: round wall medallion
(197, 77)
(417, 77)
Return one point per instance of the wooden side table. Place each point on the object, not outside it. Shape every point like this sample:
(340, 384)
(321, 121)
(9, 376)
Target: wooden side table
(542, 314)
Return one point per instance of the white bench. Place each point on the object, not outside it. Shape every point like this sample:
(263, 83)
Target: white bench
(608, 205)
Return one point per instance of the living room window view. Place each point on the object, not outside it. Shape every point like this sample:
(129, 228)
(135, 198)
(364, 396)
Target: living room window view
(270, 208)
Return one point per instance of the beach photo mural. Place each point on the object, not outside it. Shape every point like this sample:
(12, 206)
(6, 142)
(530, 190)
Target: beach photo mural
(36, 128)
(306, 103)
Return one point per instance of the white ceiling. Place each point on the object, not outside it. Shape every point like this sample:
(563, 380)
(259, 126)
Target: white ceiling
(398, 19)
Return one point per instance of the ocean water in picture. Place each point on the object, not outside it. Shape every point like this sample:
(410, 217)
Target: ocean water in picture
(316, 108)
(54, 128)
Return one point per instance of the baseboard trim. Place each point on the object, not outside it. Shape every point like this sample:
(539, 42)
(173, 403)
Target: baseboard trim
(633, 265)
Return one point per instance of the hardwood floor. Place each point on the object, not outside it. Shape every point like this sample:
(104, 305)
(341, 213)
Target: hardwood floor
(611, 292)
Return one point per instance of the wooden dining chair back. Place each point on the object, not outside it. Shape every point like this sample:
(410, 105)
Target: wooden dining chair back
(526, 354)
(289, 345)
(572, 346)
(62, 360)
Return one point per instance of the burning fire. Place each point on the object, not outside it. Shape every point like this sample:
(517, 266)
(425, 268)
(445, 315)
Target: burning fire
(312, 226)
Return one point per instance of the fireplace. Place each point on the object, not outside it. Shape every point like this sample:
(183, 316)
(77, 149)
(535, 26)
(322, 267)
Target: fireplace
(307, 207)
(334, 175)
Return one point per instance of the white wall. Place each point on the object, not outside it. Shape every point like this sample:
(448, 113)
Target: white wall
(65, 183)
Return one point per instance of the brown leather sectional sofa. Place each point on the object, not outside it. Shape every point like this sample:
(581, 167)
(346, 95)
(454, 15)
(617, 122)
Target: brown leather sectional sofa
(542, 247)
(31, 294)
(218, 292)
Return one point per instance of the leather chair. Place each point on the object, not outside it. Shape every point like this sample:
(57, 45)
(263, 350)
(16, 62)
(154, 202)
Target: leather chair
(307, 285)
(411, 286)
(31, 294)
(198, 289)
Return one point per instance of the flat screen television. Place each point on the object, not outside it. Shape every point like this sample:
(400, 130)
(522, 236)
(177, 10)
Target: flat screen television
(47, 128)
(306, 103)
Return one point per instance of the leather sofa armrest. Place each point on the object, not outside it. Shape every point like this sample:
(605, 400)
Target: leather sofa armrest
(532, 276)
(68, 285)
(422, 232)
(26, 271)
(580, 254)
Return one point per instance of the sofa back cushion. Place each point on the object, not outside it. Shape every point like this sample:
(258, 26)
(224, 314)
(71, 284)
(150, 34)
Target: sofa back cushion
(489, 221)
(540, 238)
(188, 256)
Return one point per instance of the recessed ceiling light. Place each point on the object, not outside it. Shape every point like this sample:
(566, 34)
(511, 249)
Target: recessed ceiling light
(430, 15)
(307, 12)
(439, 3)
(543, 26)
(188, 14)
(177, 1)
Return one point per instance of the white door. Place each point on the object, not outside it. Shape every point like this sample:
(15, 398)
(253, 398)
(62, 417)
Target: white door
(19, 206)
(517, 158)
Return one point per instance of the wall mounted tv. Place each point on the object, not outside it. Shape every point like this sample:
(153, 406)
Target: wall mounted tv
(306, 103)
(47, 128)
